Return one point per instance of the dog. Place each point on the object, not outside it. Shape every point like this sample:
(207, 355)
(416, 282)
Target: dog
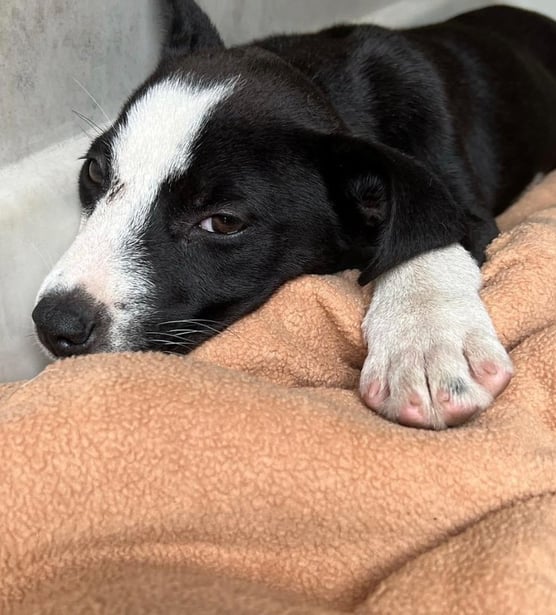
(232, 171)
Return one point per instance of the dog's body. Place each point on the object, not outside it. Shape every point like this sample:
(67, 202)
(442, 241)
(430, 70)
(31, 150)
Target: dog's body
(232, 171)
(472, 98)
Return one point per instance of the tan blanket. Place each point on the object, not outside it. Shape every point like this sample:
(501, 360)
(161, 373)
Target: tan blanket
(249, 477)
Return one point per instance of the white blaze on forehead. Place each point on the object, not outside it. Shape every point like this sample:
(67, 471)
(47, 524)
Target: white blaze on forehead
(153, 144)
(156, 140)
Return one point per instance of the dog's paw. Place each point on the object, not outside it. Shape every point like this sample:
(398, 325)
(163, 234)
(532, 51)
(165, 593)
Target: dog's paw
(434, 359)
(435, 378)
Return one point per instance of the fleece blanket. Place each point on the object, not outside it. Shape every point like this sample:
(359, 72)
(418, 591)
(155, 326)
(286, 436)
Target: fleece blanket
(249, 478)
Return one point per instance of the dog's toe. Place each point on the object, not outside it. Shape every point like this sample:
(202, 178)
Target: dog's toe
(432, 385)
(375, 394)
(414, 413)
(494, 378)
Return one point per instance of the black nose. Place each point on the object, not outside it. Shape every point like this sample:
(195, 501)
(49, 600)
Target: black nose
(67, 323)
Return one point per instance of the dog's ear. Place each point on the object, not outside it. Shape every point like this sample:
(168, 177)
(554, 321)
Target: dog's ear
(189, 30)
(390, 205)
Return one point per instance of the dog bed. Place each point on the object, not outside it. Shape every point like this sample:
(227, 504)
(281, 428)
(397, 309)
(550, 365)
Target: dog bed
(248, 477)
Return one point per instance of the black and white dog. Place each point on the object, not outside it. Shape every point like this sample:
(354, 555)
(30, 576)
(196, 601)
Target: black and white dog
(231, 171)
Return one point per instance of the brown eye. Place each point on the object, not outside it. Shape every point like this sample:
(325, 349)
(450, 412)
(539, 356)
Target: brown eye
(94, 171)
(222, 224)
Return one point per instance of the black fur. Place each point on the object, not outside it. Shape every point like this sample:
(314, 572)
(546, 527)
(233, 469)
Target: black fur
(387, 143)
(442, 126)
(357, 147)
(189, 29)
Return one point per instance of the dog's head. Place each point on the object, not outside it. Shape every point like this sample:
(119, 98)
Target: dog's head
(226, 174)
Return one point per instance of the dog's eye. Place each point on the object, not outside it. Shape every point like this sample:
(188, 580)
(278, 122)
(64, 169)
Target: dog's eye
(222, 224)
(94, 171)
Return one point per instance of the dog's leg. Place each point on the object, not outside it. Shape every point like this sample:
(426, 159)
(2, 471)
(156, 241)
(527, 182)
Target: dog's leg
(434, 358)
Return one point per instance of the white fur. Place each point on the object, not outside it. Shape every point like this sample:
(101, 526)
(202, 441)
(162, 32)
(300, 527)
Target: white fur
(152, 145)
(427, 329)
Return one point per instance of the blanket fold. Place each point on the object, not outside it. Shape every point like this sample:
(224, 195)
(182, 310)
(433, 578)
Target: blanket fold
(248, 477)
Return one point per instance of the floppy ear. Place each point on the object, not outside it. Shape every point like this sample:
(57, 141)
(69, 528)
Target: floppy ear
(391, 205)
(189, 30)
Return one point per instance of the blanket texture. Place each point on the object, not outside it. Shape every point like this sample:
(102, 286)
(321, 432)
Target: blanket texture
(249, 478)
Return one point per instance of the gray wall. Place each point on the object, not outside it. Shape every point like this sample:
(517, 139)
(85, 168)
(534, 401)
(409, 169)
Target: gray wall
(46, 44)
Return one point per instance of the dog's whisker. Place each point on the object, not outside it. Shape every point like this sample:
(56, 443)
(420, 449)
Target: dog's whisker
(178, 335)
(171, 335)
(203, 330)
(172, 343)
(85, 133)
(189, 320)
(186, 332)
(197, 323)
(182, 332)
(89, 121)
(220, 328)
(158, 332)
(92, 98)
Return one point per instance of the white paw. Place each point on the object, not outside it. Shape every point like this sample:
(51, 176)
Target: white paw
(434, 359)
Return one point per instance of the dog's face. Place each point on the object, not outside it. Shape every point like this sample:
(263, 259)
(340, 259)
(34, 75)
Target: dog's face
(226, 174)
(197, 204)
